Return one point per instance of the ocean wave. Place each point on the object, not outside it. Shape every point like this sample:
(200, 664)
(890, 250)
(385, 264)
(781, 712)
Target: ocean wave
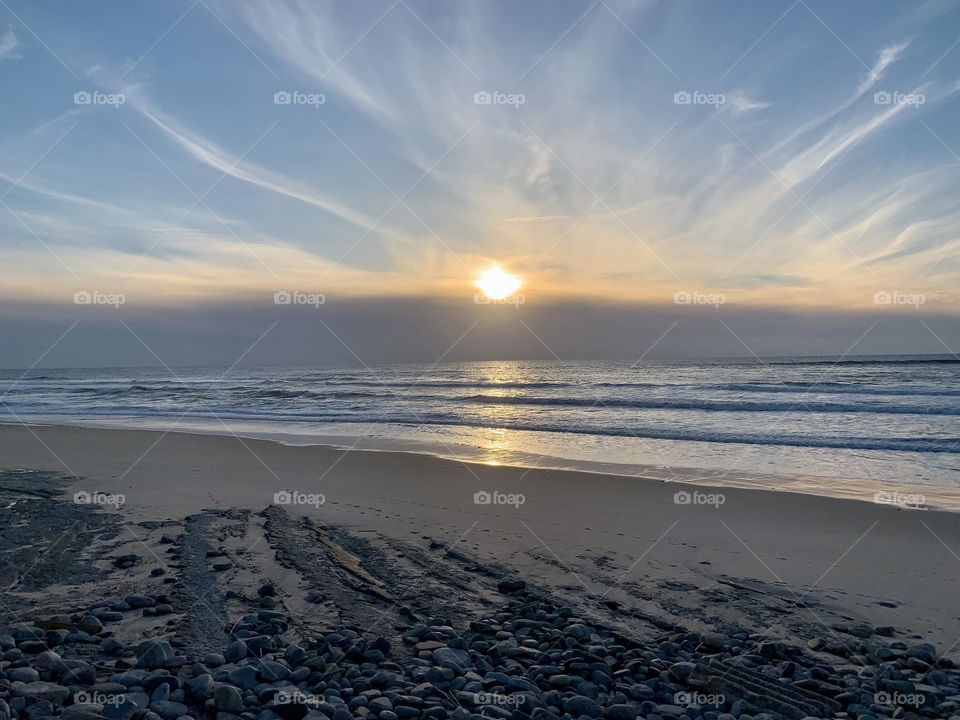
(890, 444)
(799, 405)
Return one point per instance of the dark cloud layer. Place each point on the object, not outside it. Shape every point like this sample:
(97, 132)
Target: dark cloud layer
(418, 330)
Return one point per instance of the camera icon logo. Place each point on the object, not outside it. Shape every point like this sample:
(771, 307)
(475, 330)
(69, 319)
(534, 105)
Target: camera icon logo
(82, 497)
(482, 98)
(283, 497)
(882, 298)
(682, 98)
(681, 298)
(82, 298)
(282, 97)
(682, 498)
(282, 298)
(882, 97)
(82, 98)
(482, 498)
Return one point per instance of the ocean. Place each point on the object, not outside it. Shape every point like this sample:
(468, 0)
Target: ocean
(887, 419)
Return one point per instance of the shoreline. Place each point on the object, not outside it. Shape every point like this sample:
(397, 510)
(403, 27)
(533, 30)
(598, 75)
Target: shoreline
(584, 535)
(904, 496)
(163, 575)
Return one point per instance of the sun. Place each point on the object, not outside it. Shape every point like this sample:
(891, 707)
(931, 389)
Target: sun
(497, 284)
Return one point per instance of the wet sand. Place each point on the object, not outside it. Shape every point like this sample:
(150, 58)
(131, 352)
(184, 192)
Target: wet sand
(784, 564)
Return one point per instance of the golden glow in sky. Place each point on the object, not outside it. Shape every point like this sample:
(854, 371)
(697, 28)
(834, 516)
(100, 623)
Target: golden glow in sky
(497, 284)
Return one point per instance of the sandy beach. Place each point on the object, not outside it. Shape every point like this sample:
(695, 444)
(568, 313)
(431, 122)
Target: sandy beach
(622, 548)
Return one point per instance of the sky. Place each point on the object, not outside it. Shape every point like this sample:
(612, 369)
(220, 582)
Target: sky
(761, 178)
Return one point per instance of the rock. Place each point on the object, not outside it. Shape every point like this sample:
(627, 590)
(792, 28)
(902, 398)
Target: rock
(214, 660)
(154, 654)
(22, 674)
(221, 566)
(773, 650)
(579, 632)
(200, 688)
(124, 707)
(682, 670)
(166, 540)
(90, 624)
(39, 690)
(924, 652)
(139, 601)
(55, 622)
(271, 671)
(451, 658)
(244, 677)
(228, 699)
(112, 646)
(511, 586)
(125, 561)
(235, 651)
(622, 712)
(169, 710)
(581, 705)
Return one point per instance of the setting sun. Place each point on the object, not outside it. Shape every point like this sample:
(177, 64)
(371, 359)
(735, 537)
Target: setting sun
(497, 284)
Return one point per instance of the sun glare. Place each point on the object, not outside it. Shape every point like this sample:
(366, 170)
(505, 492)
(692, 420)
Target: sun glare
(497, 284)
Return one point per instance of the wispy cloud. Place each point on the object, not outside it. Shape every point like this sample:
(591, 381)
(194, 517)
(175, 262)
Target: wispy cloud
(888, 56)
(9, 46)
(236, 166)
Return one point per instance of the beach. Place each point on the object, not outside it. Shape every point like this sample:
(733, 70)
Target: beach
(229, 575)
(585, 535)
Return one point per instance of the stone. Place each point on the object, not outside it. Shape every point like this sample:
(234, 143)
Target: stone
(579, 632)
(90, 624)
(55, 622)
(581, 705)
(154, 654)
(39, 690)
(682, 670)
(451, 658)
(271, 671)
(169, 710)
(22, 674)
(139, 601)
(200, 688)
(235, 651)
(214, 660)
(228, 699)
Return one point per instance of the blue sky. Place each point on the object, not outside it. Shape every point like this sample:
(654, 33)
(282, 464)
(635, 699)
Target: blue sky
(787, 180)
